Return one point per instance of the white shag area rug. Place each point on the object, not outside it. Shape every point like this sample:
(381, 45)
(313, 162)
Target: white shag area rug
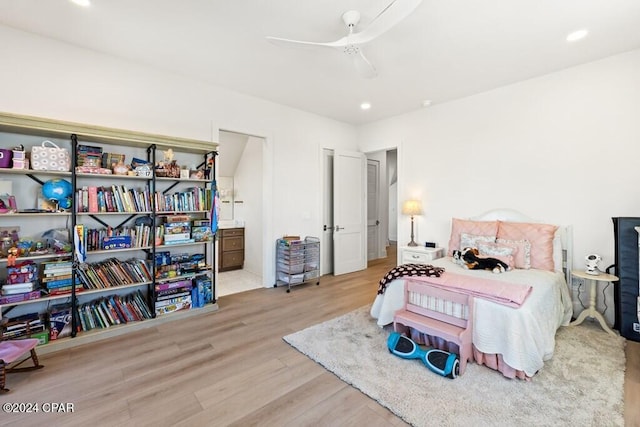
(582, 385)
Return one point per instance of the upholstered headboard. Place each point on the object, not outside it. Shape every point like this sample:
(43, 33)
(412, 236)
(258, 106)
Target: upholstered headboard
(565, 234)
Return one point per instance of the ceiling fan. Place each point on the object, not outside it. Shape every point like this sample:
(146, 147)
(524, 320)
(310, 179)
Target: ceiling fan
(351, 44)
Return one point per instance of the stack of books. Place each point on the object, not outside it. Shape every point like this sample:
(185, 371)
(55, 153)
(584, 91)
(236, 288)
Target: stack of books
(24, 326)
(173, 296)
(56, 277)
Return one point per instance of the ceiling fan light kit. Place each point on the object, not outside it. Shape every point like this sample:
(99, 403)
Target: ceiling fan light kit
(350, 45)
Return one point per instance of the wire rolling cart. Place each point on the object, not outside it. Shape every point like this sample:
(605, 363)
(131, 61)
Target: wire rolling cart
(297, 261)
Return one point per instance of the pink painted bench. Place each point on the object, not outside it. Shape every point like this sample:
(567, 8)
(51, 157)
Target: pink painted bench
(415, 314)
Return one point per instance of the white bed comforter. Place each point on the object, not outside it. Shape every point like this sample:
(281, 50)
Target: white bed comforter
(524, 336)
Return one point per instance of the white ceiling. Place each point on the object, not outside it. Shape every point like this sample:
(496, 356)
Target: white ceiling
(447, 49)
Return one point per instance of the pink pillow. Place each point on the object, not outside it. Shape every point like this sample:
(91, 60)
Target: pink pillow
(495, 250)
(540, 236)
(479, 228)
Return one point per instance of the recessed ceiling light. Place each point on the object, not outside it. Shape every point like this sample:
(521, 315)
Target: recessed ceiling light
(83, 3)
(426, 103)
(365, 106)
(577, 35)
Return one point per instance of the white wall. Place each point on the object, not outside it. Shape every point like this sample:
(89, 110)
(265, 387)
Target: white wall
(42, 77)
(563, 148)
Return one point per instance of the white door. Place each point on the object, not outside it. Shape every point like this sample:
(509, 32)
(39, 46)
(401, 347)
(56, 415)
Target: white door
(349, 212)
(373, 204)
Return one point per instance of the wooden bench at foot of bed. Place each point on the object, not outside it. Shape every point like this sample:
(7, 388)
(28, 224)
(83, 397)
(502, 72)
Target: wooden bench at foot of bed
(433, 321)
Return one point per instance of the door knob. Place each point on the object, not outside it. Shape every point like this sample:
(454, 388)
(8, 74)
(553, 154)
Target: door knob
(338, 228)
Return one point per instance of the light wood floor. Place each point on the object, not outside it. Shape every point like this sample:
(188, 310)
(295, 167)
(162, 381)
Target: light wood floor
(230, 367)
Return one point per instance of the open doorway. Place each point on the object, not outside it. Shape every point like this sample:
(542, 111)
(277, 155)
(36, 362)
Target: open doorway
(382, 173)
(240, 241)
(381, 205)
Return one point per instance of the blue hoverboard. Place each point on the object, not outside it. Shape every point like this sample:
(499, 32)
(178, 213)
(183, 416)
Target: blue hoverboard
(439, 361)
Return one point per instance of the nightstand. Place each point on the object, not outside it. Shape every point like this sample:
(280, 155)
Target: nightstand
(419, 254)
(591, 310)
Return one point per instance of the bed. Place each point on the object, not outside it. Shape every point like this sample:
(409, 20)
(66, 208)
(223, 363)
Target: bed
(513, 339)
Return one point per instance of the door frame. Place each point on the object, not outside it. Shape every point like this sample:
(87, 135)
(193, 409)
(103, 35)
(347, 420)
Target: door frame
(376, 241)
(326, 208)
(268, 158)
(400, 185)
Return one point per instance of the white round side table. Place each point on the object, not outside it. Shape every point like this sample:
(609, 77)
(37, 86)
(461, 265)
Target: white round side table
(591, 310)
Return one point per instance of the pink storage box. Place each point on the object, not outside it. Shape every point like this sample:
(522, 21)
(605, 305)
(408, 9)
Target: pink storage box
(10, 299)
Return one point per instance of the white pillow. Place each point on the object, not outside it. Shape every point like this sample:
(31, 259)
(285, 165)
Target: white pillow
(473, 240)
(522, 254)
(495, 250)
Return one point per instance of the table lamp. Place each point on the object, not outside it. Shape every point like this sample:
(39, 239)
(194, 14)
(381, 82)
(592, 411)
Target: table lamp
(412, 208)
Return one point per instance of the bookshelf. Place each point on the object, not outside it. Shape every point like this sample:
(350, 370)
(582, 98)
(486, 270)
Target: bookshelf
(119, 269)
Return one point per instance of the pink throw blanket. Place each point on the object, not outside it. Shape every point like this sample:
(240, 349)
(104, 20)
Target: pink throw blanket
(509, 294)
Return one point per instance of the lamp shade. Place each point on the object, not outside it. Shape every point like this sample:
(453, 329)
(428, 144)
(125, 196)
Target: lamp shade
(412, 207)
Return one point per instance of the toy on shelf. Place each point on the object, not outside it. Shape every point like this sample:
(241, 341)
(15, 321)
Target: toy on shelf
(11, 258)
(58, 191)
(168, 167)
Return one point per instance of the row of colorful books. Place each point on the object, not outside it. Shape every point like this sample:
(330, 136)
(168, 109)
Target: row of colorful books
(119, 198)
(114, 198)
(113, 310)
(114, 272)
(193, 199)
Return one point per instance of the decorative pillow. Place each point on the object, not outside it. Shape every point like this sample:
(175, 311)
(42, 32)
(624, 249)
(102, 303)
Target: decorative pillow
(495, 250)
(521, 254)
(539, 235)
(473, 240)
(479, 228)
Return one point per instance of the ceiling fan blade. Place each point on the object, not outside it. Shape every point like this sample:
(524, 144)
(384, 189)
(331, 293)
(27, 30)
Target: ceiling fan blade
(395, 12)
(280, 41)
(363, 66)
